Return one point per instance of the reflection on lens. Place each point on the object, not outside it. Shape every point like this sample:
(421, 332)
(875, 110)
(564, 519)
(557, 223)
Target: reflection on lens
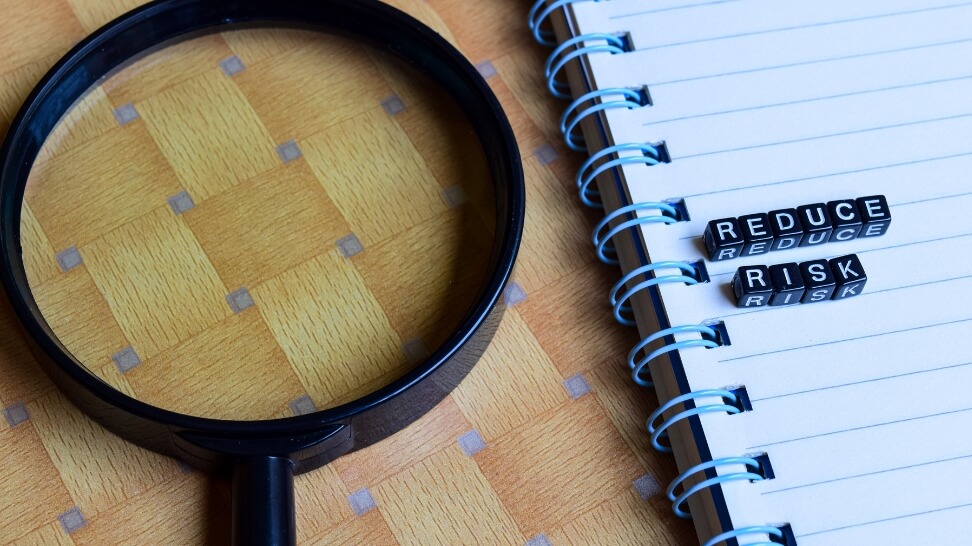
(257, 224)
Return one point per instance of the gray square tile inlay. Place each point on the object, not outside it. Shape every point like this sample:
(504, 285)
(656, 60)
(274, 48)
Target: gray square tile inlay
(181, 202)
(415, 351)
(239, 300)
(72, 520)
(513, 294)
(576, 386)
(303, 406)
(16, 414)
(69, 258)
(361, 502)
(546, 154)
(472, 443)
(454, 196)
(289, 151)
(126, 359)
(232, 65)
(349, 245)
(486, 69)
(126, 114)
(647, 486)
(393, 105)
(539, 540)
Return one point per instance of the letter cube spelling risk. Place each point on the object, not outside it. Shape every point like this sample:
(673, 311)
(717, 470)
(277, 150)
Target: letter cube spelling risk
(788, 285)
(792, 283)
(849, 275)
(819, 280)
(752, 286)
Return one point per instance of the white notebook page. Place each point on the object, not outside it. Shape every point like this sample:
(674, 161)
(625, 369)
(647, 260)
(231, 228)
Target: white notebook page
(862, 405)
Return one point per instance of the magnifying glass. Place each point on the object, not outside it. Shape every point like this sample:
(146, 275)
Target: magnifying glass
(256, 250)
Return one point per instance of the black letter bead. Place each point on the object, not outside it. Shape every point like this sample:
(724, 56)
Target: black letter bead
(817, 225)
(752, 286)
(849, 275)
(819, 281)
(876, 215)
(757, 234)
(788, 286)
(787, 229)
(846, 218)
(723, 239)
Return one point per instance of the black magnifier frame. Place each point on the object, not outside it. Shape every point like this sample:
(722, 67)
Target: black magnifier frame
(263, 456)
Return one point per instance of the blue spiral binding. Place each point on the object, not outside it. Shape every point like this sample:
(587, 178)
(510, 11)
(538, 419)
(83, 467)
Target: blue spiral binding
(748, 462)
(539, 14)
(743, 531)
(649, 156)
(632, 99)
(600, 242)
(678, 500)
(658, 432)
(557, 60)
(618, 302)
(620, 308)
(639, 366)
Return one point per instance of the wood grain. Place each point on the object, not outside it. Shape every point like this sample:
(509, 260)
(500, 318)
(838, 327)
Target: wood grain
(445, 499)
(407, 179)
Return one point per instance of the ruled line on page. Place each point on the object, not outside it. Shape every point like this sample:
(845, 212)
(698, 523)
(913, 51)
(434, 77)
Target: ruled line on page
(866, 474)
(861, 382)
(834, 174)
(864, 427)
(673, 8)
(845, 340)
(812, 25)
(813, 61)
(885, 520)
(936, 198)
(823, 137)
(809, 100)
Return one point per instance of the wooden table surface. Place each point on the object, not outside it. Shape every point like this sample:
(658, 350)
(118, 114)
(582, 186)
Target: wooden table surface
(543, 443)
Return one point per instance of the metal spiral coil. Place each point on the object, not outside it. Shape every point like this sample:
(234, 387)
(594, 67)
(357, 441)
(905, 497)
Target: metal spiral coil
(619, 299)
(669, 215)
(659, 431)
(743, 531)
(630, 99)
(560, 57)
(540, 12)
(648, 154)
(751, 474)
(638, 366)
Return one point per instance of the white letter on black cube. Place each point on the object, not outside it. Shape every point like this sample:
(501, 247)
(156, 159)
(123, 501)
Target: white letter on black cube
(849, 276)
(757, 233)
(723, 239)
(846, 218)
(788, 286)
(817, 225)
(819, 281)
(787, 229)
(752, 286)
(876, 215)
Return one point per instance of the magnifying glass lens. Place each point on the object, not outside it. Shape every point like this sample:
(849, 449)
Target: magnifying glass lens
(257, 224)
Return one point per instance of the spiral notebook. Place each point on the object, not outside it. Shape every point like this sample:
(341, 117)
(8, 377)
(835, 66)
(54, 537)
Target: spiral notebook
(832, 423)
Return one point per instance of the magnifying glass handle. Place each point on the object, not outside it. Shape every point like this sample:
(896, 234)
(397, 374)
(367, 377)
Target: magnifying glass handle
(263, 502)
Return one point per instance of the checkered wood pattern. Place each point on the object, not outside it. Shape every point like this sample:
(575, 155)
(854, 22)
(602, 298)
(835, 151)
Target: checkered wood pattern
(193, 213)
